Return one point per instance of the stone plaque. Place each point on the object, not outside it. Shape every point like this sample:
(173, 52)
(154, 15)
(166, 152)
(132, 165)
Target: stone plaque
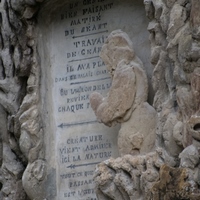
(75, 35)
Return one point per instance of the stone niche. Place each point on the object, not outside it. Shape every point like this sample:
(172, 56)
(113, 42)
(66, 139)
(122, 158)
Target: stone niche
(70, 37)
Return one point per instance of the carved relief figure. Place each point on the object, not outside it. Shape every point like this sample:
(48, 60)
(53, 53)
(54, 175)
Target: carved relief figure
(146, 176)
(126, 102)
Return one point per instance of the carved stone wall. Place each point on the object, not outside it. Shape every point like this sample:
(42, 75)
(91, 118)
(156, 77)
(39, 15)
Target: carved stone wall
(170, 172)
(174, 36)
(21, 133)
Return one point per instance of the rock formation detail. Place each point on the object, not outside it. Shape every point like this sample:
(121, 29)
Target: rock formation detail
(171, 171)
(21, 140)
(167, 169)
(126, 102)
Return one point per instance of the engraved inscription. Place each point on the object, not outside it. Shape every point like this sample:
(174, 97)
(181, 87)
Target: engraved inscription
(77, 34)
(78, 71)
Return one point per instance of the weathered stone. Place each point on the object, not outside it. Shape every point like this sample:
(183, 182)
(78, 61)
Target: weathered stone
(155, 54)
(178, 133)
(33, 177)
(174, 37)
(169, 141)
(173, 184)
(17, 5)
(137, 135)
(183, 51)
(30, 2)
(29, 12)
(177, 104)
(130, 176)
(149, 8)
(75, 72)
(195, 18)
(25, 143)
(189, 157)
(177, 19)
(128, 79)
(170, 3)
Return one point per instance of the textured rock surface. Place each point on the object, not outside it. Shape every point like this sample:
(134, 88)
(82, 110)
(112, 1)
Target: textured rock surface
(169, 172)
(127, 97)
(128, 177)
(174, 184)
(174, 37)
(21, 134)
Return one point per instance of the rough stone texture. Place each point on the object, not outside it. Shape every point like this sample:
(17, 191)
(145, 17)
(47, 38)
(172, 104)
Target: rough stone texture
(127, 177)
(127, 97)
(174, 36)
(173, 184)
(137, 177)
(179, 89)
(21, 134)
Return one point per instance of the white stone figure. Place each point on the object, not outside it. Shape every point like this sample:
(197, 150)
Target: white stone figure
(126, 101)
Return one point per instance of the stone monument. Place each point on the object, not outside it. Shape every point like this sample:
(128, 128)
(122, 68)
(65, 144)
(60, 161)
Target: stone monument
(126, 102)
(52, 145)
